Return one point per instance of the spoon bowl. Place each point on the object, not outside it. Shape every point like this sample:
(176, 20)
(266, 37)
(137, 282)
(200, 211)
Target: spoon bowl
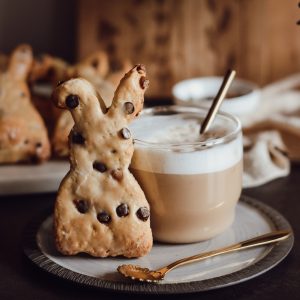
(141, 274)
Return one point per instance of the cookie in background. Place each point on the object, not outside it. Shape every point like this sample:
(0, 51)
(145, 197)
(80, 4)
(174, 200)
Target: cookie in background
(23, 135)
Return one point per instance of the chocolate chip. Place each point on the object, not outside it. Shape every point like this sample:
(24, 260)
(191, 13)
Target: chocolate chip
(82, 206)
(99, 166)
(141, 68)
(129, 107)
(143, 213)
(125, 133)
(26, 142)
(77, 138)
(103, 217)
(144, 82)
(38, 145)
(122, 210)
(22, 94)
(117, 174)
(72, 101)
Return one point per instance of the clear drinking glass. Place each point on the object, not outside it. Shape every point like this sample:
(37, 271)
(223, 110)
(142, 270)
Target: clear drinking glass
(192, 184)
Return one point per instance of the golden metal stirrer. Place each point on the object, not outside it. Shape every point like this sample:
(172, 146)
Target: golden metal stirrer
(217, 101)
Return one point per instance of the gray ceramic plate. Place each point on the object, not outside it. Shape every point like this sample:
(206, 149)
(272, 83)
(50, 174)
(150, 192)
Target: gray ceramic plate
(252, 218)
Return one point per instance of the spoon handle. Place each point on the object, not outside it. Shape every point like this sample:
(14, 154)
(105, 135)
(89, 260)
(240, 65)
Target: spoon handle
(217, 101)
(269, 238)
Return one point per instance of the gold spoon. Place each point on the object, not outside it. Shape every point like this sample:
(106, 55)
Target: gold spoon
(217, 101)
(144, 274)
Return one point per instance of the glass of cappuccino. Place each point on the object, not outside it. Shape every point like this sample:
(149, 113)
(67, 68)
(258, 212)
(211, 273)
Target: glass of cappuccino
(192, 181)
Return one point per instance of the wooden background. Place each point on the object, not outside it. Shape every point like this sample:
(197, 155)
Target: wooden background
(47, 25)
(179, 39)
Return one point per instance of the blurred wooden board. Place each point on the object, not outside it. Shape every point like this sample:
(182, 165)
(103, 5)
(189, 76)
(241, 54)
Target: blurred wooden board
(182, 39)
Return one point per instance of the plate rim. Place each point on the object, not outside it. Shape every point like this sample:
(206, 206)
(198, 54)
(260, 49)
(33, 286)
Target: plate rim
(279, 252)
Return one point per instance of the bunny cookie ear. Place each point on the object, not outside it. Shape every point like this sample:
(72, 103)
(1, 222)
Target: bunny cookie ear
(98, 61)
(94, 65)
(80, 98)
(20, 62)
(129, 96)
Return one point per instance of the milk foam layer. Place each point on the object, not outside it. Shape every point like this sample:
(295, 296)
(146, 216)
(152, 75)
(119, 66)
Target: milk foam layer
(182, 129)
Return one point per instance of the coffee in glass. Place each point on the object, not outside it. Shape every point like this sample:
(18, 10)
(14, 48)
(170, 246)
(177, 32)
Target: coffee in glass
(192, 182)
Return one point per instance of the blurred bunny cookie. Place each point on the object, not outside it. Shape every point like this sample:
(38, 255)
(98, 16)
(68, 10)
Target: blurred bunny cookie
(23, 135)
(48, 68)
(100, 208)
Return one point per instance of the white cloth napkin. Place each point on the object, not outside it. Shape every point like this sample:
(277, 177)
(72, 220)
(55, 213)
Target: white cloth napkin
(265, 158)
(272, 133)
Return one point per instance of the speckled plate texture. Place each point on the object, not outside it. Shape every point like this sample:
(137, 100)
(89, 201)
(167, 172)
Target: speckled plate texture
(252, 218)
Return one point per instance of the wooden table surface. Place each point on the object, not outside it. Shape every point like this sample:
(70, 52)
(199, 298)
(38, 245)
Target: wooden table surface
(21, 280)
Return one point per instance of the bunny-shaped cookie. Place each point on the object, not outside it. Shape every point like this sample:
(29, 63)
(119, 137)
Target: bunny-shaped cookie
(23, 135)
(100, 208)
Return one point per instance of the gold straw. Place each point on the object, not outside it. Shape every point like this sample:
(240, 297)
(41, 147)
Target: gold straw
(217, 101)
